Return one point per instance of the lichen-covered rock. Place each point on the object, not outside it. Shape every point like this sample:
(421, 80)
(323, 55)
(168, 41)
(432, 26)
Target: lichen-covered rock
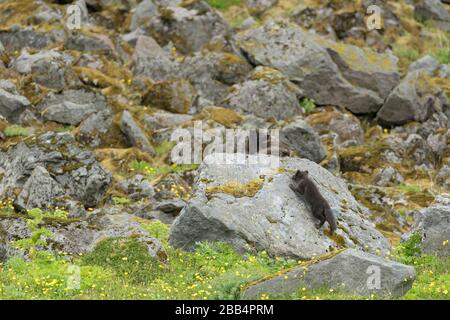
(79, 237)
(134, 134)
(414, 99)
(96, 129)
(329, 73)
(48, 68)
(189, 26)
(435, 11)
(432, 224)
(211, 73)
(69, 172)
(12, 104)
(175, 95)
(351, 271)
(71, 106)
(302, 138)
(257, 7)
(162, 119)
(251, 207)
(19, 38)
(150, 60)
(40, 191)
(267, 94)
(345, 125)
(137, 187)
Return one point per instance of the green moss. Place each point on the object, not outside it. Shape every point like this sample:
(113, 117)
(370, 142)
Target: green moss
(223, 4)
(15, 131)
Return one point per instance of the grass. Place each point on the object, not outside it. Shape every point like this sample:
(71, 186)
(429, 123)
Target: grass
(443, 56)
(409, 54)
(409, 188)
(15, 131)
(120, 268)
(152, 172)
(223, 4)
(308, 105)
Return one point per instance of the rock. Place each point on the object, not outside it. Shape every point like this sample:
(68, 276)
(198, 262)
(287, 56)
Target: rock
(96, 43)
(134, 134)
(96, 129)
(352, 271)
(308, 60)
(175, 95)
(443, 175)
(17, 39)
(40, 191)
(211, 73)
(387, 176)
(172, 206)
(257, 7)
(414, 99)
(71, 106)
(48, 68)
(301, 137)
(427, 63)
(145, 10)
(189, 26)
(162, 119)
(57, 160)
(150, 60)
(80, 237)
(432, 224)
(267, 94)
(137, 188)
(251, 207)
(433, 10)
(345, 125)
(12, 104)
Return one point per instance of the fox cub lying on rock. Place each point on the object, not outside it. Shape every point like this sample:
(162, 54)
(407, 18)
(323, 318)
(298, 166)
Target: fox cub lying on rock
(319, 206)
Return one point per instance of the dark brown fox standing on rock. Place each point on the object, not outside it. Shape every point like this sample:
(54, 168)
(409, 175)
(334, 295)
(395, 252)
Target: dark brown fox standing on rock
(319, 206)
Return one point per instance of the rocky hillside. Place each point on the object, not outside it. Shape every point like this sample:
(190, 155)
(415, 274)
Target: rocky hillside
(92, 92)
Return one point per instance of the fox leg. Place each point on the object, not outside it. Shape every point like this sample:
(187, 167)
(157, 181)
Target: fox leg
(322, 219)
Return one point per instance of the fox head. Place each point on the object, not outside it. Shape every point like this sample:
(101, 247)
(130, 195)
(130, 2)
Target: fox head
(299, 175)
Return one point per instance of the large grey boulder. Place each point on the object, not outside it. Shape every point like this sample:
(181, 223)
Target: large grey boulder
(71, 106)
(328, 72)
(351, 271)
(79, 237)
(267, 94)
(433, 226)
(12, 104)
(49, 170)
(252, 207)
(302, 138)
(134, 134)
(416, 98)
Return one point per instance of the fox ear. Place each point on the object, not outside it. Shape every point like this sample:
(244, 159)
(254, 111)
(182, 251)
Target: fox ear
(306, 173)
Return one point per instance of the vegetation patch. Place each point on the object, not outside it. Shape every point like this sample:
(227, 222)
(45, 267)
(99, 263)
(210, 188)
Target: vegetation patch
(237, 189)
